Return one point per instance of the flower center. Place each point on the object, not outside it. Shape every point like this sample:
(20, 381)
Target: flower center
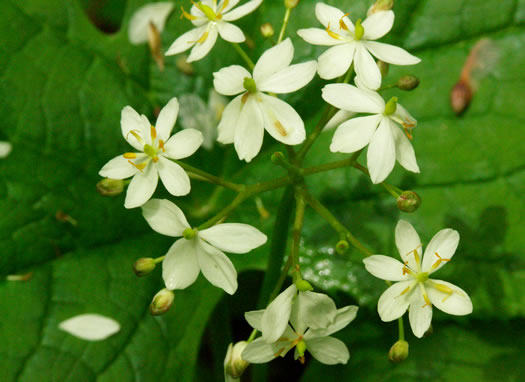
(422, 277)
(150, 151)
(359, 30)
(189, 233)
(249, 85)
(210, 13)
(391, 106)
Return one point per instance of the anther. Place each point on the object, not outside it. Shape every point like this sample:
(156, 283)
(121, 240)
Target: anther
(332, 34)
(342, 24)
(130, 155)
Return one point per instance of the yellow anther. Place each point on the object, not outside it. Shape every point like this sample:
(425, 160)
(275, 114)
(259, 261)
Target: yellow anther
(443, 288)
(161, 145)
(407, 271)
(280, 128)
(155, 159)
(278, 352)
(187, 15)
(136, 135)
(245, 97)
(203, 38)
(414, 252)
(139, 166)
(407, 132)
(153, 132)
(427, 301)
(224, 5)
(332, 34)
(130, 155)
(342, 24)
(438, 261)
(301, 359)
(405, 291)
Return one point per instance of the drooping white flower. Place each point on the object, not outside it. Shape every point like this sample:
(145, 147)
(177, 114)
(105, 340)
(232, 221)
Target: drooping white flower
(211, 20)
(5, 149)
(414, 290)
(157, 148)
(313, 318)
(154, 13)
(354, 44)
(199, 251)
(252, 111)
(90, 327)
(205, 117)
(386, 141)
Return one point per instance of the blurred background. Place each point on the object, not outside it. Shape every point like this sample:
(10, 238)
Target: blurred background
(67, 69)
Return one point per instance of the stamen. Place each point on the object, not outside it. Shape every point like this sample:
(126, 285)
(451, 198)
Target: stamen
(439, 261)
(136, 135)
(280, 128)
(161, 145)
(187, 15)
(224, 5)
(414, 252)
(342, 24)
(407, 271)
(332, 34)
(405, 291)
(153, 132)
(279, 352)
(245, 97)
(139, 166)
(130, 155)
(155, 159)
(203, 38)
(301, 359)
(407, 132)
(427, 301)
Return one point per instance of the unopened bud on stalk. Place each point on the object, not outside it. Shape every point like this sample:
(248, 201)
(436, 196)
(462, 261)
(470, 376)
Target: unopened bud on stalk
(267, 30)
(162, 302)
(383, 68)
(408, 201)
(184, 66)
(277, 157)
(379, 6)
(143, 266)
(234, 365)
(110, 187)
(398, 352)
(408, 82)
(341, 247)
(291, 4)
(155, 46)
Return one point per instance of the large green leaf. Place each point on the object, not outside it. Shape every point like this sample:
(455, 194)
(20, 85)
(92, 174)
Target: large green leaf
(63, 84)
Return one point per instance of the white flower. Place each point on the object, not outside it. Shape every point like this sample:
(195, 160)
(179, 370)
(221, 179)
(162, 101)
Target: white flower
(157, 148)
(199, 250)
(234, 365)
(386, 141)
(154, 13)
(196, 114)
(5, 149)
(252, 111)
(211, 19)
(415, 290)
(90, 327)
(354, 44)
(313, 318)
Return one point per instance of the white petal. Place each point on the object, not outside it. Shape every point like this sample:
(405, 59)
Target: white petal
(167, 118)
(118, 168)
(392, 304)
(338, 118)
(405, 154)
(348, 97)
(130, 120)
(328, 350)
(229, 5)
(241, 11)
(254, 318)
(230, 117)
(317, 36)
(142, 186)
(155, 13)
(90, 327)
(5, 149)
(312, 310)
(403, 117)
(354, 134)
(458, 303)
(419, 315)
(258, 351)
(186, 41)
(385, 268)
(183, 144)
(250, 130)
(391, 54)
(273, 60)
(230, 80)
(282, 121)
(407, 241)
(327, 14)
(381, 155)
(201, 49)
(216, 267)
(336, 61)
(289, 79)
(173, 177)
(230, 32)
(165, 217)
(444, 243)
(378, 25)
(343, 317)
(234, 237)
(276, 316)
(180, 267)
(366, 68)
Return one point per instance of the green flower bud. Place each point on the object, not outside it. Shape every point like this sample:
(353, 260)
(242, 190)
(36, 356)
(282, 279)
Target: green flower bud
(184, 66)
(143, 266)
(408, 82)
(110, 187)
(234, 365)
(398, 352)
(383, 68)
(408, 201)
(341, 247)
(277, 157)
(267, 30)
(391, 106)
(291, 4)
(359, 30)
(303, 285)
(162, 302)
(249, 85)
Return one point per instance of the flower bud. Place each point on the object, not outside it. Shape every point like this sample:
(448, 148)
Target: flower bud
(277, 157)
(341, 247)
(291, 4)
(143, 266)
(379, 6)
(303, 285)
(155, 46)
(234, 365)
(110, 187)
(398, 352)
(267, 30)
(383, 68)
(460, 97)
(184, 66)
(162, 302)
(408, 201)
(408, 82)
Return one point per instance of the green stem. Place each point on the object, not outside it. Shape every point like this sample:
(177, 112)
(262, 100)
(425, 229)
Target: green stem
(244, 56)
(210, 178)
(296, 235)
(386, 87)
(331, 166)
(401, 328)
(158, 259)
(392, 190)
(285, 24)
